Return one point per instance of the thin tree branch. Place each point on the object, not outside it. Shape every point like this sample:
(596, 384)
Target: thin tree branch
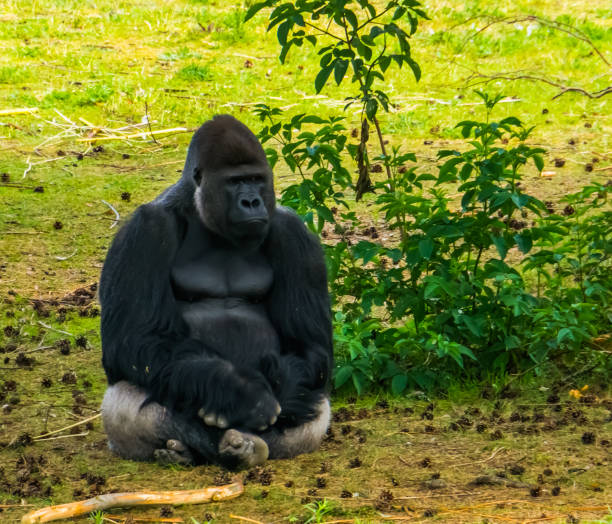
(485, 79)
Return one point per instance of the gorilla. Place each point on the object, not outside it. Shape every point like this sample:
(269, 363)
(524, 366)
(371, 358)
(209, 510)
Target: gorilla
(216, 322)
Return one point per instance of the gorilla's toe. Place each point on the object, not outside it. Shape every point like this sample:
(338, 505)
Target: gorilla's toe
(242, 450)
(175, 452)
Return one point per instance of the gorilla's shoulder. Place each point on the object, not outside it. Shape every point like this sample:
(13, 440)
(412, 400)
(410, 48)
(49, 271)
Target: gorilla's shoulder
(292, 248)
(286, 220)
(150, 227)
(153, 218)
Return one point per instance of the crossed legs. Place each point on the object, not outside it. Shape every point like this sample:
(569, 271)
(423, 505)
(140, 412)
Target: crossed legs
(140, 431)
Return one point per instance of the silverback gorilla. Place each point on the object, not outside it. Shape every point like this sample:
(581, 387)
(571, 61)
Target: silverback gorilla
(216, 326)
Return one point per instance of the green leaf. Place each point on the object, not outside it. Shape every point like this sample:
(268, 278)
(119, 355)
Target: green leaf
(322, 77)
(426, 247)
(394, 254)
(475, 325)
(359, 382)
(284, 51)
(342, 375)
(399, 12)
(398, 384)
(375, 31)
(465, 172)
(371, 108)
(351, 18)
(563, 334)
(538, 161)
(366, 251)
(325, 214)
(524, 241)
(511, 120)
(416, 70)
(340, 70)
(467, 351)
(467, 198)
(283, 31)
(519, 199)
(255, 8)
(384, 62)
(500, 244)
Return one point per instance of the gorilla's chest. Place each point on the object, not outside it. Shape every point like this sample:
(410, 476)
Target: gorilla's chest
(204, 269)
(221, 274)
(220, 293)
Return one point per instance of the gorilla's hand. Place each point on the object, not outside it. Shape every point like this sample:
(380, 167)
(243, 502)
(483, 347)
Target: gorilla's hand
(248, 404)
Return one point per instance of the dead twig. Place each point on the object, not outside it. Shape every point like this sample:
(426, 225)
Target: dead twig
(39, 348)
(84, 421)
(32, 164)
(145, 519)
(68, 256)
(521, 75)
(495, 452)
(111, 500)
(245, 519)
(18, 111)
(72, 435)
(117, 217)
(55, 329)
(17, 186)
(142, 134)
(512, 76)
(149, 123)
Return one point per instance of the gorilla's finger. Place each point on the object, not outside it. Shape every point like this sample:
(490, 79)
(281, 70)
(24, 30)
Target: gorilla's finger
(278, 410)
(210, 419)
(262, 428)
(273, 420)
(222, 422)
(201, 413)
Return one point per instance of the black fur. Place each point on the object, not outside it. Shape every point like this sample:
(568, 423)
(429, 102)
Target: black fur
(145, 339)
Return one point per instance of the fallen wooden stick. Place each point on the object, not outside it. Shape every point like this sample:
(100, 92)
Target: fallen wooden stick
(18, 111)
(142, 498)
(142, 134)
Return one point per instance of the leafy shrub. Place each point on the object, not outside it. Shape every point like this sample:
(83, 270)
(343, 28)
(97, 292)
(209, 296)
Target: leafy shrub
(478, 284)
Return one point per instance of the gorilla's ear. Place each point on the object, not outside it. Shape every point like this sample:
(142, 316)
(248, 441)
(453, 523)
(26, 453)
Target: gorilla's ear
(197, 176)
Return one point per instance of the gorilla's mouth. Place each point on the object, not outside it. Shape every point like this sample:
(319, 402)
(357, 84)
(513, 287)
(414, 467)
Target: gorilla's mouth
(252, 222)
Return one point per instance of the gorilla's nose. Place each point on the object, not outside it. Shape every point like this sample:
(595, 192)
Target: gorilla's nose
(250, 203)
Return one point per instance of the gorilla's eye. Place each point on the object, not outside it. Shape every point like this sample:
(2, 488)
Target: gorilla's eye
(246, 179)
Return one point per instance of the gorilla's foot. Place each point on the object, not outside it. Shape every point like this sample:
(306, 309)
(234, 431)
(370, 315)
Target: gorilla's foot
(175, 452)
(242, 450)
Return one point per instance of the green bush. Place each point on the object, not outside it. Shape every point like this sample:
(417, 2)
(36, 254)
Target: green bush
(489, 284)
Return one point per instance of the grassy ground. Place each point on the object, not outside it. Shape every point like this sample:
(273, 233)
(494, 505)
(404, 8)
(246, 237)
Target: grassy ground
(90, 65)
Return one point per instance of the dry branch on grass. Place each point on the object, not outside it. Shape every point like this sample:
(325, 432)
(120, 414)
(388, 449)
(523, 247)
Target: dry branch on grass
(142, 134)
(144, 498)
(18, 111)
(86, 131)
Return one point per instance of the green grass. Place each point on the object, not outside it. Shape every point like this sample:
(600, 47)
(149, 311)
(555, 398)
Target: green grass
(109, 64)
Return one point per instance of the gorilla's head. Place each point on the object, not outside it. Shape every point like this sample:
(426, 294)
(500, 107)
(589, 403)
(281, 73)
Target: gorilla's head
(234, 192)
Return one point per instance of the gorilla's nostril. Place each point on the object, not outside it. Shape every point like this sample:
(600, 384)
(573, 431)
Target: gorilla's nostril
(256, 202)
(245, 203)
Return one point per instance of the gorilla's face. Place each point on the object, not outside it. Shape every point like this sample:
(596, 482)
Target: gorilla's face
(237, 202)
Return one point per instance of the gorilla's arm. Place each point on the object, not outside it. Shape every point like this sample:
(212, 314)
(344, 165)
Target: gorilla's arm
(300, 311)
(146, 342)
